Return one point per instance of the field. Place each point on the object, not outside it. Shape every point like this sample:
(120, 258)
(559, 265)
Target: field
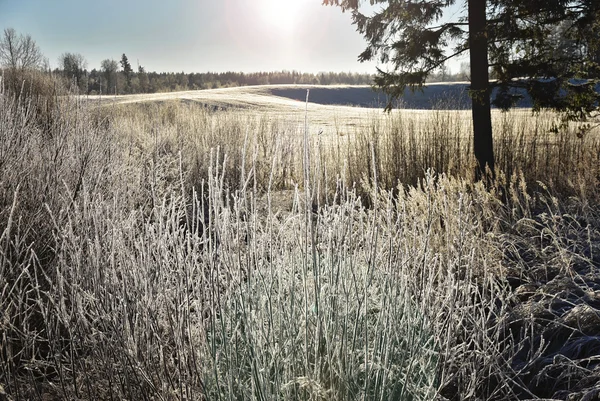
(330, 107)
(241, 244)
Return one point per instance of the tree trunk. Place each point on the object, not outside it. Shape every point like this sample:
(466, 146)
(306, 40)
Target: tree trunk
(480, 89)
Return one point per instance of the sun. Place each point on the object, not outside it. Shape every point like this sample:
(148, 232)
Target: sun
(282, 15)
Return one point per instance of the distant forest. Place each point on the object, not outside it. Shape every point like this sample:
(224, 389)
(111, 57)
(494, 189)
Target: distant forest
(120, 78)
(96, 81)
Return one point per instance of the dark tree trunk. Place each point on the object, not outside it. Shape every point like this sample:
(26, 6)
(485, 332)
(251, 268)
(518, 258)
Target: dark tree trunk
(480, 88)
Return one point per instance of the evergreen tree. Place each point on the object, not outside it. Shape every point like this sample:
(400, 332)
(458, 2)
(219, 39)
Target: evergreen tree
(511, 37)
(127, 71)
(143, 77)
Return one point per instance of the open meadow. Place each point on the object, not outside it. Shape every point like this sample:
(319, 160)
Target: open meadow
(242, 244)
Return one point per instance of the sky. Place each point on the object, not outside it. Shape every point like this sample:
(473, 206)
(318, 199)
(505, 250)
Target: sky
(193, 35)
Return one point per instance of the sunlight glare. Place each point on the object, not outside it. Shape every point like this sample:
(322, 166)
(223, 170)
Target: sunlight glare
(282, 15)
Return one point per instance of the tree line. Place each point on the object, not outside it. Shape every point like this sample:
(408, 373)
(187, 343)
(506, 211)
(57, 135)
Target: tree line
(20, 52)
(120, 78)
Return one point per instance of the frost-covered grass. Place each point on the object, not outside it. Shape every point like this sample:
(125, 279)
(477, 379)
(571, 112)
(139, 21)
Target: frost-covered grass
(171, 252)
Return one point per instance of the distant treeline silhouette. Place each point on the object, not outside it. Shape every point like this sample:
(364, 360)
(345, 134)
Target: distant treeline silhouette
(109, 80)
(104, 82)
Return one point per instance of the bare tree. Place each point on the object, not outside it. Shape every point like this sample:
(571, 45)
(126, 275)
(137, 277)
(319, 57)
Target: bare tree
(109, 70)
(19, 52)
(73, 66)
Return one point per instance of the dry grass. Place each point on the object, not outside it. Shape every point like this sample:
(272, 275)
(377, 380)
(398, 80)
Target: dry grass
(171, 252)
(406, 143)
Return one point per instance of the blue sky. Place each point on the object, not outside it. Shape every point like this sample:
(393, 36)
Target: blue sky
(193, 35)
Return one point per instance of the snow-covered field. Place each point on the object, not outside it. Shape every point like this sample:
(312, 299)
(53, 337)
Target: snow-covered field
(332, 109)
